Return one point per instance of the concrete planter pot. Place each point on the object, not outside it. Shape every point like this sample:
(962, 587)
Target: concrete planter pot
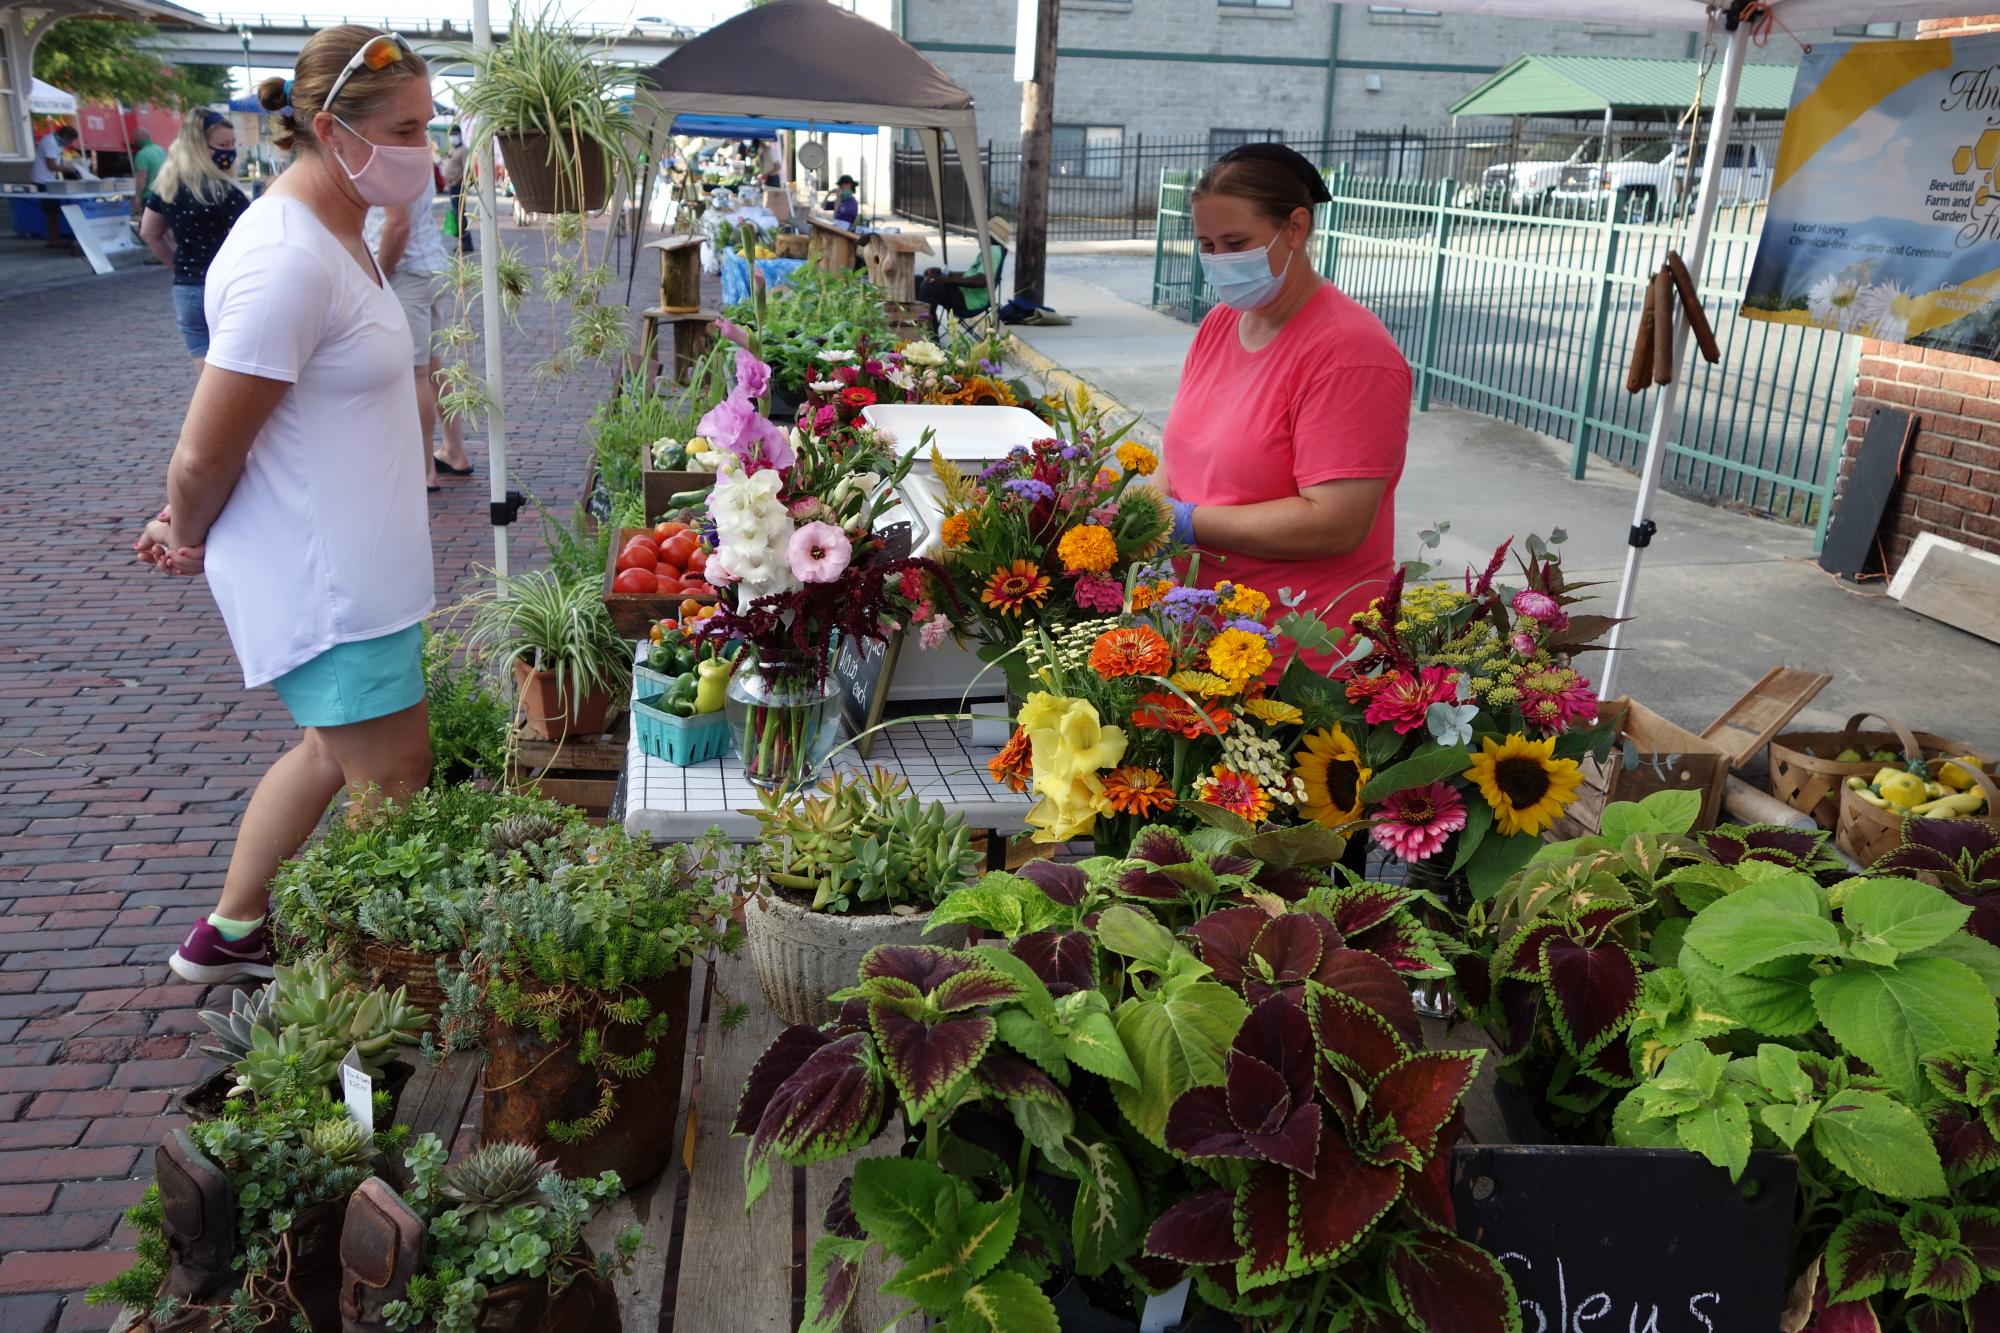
(803, 956)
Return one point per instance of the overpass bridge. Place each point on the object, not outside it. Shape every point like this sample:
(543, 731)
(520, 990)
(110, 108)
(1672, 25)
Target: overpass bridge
(274, 41)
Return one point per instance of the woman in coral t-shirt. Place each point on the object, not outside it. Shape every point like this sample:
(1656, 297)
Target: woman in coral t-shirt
(1287, 437)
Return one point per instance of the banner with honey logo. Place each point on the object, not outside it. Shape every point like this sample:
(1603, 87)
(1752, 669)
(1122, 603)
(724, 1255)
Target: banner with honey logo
(1884, 216)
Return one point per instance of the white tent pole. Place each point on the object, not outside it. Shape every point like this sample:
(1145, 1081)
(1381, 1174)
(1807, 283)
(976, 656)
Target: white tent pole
(489, 287)
(1668, 395)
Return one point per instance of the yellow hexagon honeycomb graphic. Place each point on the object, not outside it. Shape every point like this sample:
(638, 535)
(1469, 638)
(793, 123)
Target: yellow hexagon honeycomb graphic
(1987, 151)
(1961, 161)
(1979, 199)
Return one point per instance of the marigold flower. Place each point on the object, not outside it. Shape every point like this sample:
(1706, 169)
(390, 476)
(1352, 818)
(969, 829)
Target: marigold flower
(1239, 655)
(1088, 549)
(1244, 601)
(1148, 594)
(1132, 790)
(1139, 651)
(1138, 459)
(957, 530)
(1012, 767)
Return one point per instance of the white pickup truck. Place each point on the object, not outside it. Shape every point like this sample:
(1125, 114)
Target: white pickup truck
(1528, 181)
(1648, 178)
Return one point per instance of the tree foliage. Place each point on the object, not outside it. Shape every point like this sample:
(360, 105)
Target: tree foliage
(104, 61)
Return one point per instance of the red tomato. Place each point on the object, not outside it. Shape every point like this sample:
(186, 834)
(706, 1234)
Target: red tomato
(662, 531)
(641, 545)
(679, 547)
(698, 562)
(635, 580)
(697, 588)
(635, 559)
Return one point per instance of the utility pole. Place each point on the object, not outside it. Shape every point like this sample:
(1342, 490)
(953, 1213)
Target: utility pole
(1038, 107)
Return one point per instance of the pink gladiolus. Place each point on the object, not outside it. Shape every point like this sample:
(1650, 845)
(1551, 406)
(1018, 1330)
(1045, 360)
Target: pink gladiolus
(733, 332)
(753, 377)
(1415, 824)
(819, 553)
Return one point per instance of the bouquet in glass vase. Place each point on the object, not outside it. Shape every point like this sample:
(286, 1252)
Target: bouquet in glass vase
(1049, 535)
(1454, 725)
(804, 564)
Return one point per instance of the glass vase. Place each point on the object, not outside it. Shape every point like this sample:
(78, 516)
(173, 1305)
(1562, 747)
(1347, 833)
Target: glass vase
(785, 722)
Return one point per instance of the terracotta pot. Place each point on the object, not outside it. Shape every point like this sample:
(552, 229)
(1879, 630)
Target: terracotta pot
(803, 956)
(550, 713)
(545, 173)
(530, 1082)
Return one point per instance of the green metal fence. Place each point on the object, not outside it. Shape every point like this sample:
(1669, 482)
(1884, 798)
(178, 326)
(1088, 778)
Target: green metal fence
(1530, 318)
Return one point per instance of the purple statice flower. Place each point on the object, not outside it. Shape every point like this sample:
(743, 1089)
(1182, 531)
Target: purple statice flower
(1031, 490)
(992, 470)
(1183, 604)
(1072, 452)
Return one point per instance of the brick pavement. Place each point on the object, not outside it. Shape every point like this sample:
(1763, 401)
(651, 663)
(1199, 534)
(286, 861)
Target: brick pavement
(128, 748)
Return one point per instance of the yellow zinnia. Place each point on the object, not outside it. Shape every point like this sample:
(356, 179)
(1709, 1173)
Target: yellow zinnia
(1273, 712)
(1239, 655)
(1201, 684)
(1523, 782)
(1088, 549)
(1246, 602)
(1138, 459)
(1329, 767)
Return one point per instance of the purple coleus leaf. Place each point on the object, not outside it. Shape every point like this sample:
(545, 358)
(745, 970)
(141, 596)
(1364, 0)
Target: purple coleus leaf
(1334, 1208)
(1428, 1192)
(969, 990)
(923, 966)
(1279, 1034)
(1592, 991)
(1979, 1231)
(1065, 960)
(1263, 1224)
(1399, 944)
(1006, 1077)
(926, 1060)
(1352, 1038)
(1290, 883)
(1287, 952)
(1198, 1230)
(780, 1060)
(1160, 847)
(1965, 1143)
(1225, 939)
(1521, 1007)
(1360, 908)
(1154, 850)
(1442, 1284)
(1367, 978)
(1521, 957)
(1063, 883)
(1964, 854)
(1414, 1100)
(1474, 980)
(1264, 1108)
(831, 1104)
(1849, 1317)
(1764, 842)
(1866, 1254)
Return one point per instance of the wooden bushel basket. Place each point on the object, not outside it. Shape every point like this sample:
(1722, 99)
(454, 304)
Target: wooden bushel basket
(1868, 833)
(1805, 776)
(1665, 757)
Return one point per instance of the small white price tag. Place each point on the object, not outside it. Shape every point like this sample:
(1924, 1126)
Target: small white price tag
(358, 1089)
(1164, 1311)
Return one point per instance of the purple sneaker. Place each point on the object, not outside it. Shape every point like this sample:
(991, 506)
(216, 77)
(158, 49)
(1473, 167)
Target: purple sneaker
(207, 958)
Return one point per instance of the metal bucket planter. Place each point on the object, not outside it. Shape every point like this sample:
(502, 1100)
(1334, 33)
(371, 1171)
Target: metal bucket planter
(803, 956)
(530, 1083)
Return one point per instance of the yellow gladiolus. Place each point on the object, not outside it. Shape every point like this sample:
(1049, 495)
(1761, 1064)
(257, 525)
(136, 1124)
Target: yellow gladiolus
(1071, 748)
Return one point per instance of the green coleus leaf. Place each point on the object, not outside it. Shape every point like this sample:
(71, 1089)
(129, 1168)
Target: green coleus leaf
(1789, 1123)
(1719, 1130)
(1778, 1003)
(1781, 1074)
(1979, 955)
(1175, 1040)
(1110, 1217)
(1033, 1038)
(1760, 923)
(905, 1204)
(1420, 770)
(1130, 933)
(1698, 886)
(1892, 1017)
(1663, 812)
(1879, 1143)
(1090, 1039)
(938, 1276)
(1004, 1302)
(1002, 903)
(1902, 914)
(1633, 1127)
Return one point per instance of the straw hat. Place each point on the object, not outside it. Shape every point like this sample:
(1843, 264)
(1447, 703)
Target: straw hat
(1001, 230)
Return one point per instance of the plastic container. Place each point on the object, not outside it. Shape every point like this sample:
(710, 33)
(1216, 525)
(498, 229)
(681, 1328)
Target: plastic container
(680, 741)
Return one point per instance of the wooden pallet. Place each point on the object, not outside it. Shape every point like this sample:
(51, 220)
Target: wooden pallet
(581, 771)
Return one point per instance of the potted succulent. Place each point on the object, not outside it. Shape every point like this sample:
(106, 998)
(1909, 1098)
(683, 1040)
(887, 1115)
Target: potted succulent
(494, 1241)
(552, 105)
(570, 664)
(291, 1034)
(857, 862)
(1118, 1100)
(580, 984)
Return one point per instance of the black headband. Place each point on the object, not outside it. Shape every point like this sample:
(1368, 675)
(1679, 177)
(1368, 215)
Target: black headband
(1290, 159)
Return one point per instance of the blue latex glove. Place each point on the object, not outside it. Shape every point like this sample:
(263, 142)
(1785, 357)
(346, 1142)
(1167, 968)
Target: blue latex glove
(1183, 522)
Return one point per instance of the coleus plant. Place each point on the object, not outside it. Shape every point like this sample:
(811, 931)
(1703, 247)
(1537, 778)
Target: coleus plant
(1856, 1028)
(1960, 856)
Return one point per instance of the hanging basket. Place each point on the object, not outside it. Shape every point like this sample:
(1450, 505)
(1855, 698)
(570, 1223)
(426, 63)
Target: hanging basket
(547, 172)
(1868, 832)
(1806, 776)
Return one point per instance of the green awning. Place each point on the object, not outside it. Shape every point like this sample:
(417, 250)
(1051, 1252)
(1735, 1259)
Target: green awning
(1590, 85)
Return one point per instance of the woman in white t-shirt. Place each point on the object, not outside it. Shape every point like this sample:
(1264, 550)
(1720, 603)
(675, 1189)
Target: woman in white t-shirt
(294, 486)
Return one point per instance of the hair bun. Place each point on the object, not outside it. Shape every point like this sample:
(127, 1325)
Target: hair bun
(272, 95)
(1290, 159)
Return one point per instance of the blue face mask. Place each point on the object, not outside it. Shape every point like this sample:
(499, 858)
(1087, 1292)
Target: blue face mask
(1244, 281)
(223, 157)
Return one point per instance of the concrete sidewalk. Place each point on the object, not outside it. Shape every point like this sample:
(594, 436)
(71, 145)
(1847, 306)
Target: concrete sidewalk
(1722, 596)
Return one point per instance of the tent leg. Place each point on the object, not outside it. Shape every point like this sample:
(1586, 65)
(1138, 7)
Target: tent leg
(489, 287)
(1666, 400)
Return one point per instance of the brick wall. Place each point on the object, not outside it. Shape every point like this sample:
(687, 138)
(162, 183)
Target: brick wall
(1951, 476)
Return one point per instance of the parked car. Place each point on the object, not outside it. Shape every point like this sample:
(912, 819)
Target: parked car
(1650, 178)
(1528, 181)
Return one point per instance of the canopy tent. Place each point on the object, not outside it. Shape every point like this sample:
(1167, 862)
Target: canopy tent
(1556, 85)
(1736, 21)
(759, 127)
(46, 99)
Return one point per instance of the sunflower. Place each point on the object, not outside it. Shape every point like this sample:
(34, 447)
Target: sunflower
(1015, 586)
(1146, 517)
(957, 529)
(1161, 711)
(1130, 652)
(1239, 655)
(1273, 712)
(1132, 790)
(1523, 782)
(1138, 459)
(1012, 767)
(1238, 793)
(1331, 770)
(1087, 549)
(980, 391)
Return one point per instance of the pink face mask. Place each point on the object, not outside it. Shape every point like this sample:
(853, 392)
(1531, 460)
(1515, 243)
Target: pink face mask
(393, 176)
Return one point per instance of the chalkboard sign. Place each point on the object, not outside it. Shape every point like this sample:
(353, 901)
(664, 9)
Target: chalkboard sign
(1631, 1240)
(862, 671)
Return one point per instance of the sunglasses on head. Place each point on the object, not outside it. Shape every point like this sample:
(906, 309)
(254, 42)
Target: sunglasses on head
(378, 52)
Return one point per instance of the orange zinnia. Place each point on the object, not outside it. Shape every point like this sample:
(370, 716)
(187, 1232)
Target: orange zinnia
(1161, 711)
(1130, 652)
(1238, 793)
(1137, 791)
(1013, 768)
(1010, 589)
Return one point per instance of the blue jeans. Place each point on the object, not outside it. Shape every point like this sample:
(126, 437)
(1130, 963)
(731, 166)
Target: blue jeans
(188, 314)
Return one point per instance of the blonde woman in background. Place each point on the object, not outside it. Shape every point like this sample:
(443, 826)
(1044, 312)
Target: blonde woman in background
(190, 208)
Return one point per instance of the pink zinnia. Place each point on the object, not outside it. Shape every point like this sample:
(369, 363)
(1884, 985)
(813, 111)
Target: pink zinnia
(1415, 824)
(819, 553)
(1404, 700)
(1094, 592)
(1541, 608)
(1557, 699)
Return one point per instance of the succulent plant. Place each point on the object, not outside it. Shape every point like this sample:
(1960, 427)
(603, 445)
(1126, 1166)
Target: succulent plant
(314, 998)
(342, 1142)
(492, 1180)
(867, 841)
(518, 831)
(248, 1011)
(291, 1060)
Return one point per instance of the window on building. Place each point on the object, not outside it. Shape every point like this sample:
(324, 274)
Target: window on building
(1255, 4)
(1405, 12)
(1887, 29)
(1221, 141)
(9, 108)
(1394, 155)
(1094, 152)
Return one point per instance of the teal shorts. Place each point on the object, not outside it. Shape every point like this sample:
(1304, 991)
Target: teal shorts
(357, 682)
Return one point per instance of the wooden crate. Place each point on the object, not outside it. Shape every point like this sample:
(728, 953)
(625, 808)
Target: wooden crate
(580, 771)
(1651, 754)
(635, 613)
(661, 487)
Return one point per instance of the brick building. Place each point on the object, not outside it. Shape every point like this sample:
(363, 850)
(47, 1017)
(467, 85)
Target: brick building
(1951, 475)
